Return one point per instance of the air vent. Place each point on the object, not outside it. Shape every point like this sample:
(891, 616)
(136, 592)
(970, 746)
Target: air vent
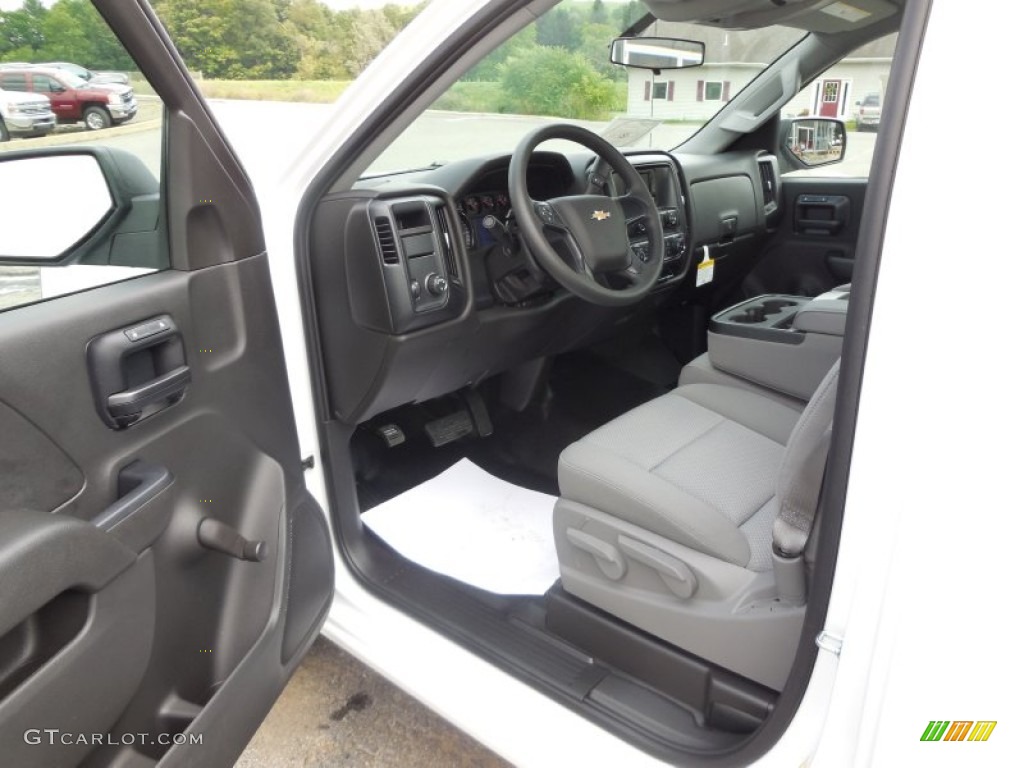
(766, 167)
(386, 240)
(451, 264)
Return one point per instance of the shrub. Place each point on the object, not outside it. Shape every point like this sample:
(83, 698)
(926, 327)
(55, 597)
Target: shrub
(552, 81)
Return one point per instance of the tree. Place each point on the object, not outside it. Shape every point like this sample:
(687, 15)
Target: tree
(489, 69)
(21, 33)
(234, 39)
(559, 29)
(400, 15)
(314, 28)
(553, 81)
(370, 33)
(631, 13)
(74, 31)
(598, 13)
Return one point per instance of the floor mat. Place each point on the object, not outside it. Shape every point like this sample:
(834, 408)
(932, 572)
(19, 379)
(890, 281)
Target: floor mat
(474, 527)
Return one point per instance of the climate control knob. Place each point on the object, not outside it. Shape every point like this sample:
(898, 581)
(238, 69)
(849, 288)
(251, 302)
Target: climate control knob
(436, 284)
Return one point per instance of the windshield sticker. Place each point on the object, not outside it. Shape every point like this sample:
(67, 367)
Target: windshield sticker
(626, 131)
(846, 12)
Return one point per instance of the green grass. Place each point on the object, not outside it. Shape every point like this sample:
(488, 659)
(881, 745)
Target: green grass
(462, 97)
(321, 91)
(487, 96)
(471, 97)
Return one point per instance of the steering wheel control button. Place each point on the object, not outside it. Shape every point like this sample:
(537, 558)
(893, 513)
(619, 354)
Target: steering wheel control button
(436, 285)
(638, 229)
(546, 213)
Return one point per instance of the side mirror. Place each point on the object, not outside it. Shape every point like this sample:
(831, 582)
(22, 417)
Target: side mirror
(657, 53)
(66, 205)
(57, 88)
(811, 142)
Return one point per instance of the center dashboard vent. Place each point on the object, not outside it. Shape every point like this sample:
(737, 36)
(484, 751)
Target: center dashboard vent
(451, 263)
(769, 184)
(386, 242)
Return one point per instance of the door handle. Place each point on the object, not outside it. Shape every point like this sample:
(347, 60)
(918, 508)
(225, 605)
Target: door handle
(137, 484)
(128, 405)
(137, 371)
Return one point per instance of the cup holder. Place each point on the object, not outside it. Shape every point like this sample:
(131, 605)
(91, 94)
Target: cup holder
(774, 306)
(749, 315)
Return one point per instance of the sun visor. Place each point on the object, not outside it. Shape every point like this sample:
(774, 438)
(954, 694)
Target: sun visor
(823, 16)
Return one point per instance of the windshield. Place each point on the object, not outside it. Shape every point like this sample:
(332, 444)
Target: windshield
(73, 69)
(72, 80)
(558, 70)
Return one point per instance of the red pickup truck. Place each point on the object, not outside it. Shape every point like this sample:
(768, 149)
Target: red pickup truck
(98, 105)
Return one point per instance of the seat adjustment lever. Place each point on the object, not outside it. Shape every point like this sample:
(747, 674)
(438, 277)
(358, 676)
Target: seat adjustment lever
(215, 535)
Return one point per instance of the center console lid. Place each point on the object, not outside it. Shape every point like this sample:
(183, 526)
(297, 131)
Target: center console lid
(786, 343)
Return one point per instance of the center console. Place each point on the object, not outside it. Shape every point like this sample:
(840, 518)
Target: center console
(786, 343)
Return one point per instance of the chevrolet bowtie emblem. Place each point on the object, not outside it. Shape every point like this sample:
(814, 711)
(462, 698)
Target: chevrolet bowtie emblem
(600, 215)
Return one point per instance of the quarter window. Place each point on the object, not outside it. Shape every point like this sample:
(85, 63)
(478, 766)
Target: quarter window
(13, 83)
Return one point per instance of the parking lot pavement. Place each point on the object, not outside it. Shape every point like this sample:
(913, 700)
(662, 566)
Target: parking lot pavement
(337, 712)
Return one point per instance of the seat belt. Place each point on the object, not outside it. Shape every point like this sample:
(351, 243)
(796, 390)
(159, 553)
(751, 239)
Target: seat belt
(799, 486)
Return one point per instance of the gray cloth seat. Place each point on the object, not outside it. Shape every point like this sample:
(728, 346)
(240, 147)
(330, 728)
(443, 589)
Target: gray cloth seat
(697, 466)
(688, 518)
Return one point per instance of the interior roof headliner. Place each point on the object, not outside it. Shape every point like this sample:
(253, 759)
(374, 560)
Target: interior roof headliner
(823, 16)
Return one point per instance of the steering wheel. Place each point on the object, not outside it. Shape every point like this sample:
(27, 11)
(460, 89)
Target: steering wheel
(602, 268)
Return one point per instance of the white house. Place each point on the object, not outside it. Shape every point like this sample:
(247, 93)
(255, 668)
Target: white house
(694, 95)
(837, 92)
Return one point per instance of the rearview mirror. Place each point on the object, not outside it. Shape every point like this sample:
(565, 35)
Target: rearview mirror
(657, 53)
(815, 141)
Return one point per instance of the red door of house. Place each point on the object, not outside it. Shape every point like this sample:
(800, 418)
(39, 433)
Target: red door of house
(829, 105)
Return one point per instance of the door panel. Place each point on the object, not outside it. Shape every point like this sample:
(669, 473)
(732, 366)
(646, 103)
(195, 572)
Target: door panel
(162, 566)
(167, 625)
(813, 249)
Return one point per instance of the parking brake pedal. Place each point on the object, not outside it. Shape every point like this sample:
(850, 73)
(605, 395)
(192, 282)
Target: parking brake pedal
(478, 412)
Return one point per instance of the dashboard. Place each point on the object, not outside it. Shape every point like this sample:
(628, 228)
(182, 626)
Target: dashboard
(547, 177)
(423, 276)
(486, 221)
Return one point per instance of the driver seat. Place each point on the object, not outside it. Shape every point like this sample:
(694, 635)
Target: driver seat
(687, 517)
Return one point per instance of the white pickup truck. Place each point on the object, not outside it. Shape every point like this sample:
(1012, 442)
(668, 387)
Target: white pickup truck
(25, 114)
(869, 112)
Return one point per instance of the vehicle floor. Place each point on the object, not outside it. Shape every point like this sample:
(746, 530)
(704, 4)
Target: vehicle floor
(585, 390)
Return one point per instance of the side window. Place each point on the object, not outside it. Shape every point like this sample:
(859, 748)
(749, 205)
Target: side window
(43, 84)
(13, 82)
(85, 208)
(852, 90)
